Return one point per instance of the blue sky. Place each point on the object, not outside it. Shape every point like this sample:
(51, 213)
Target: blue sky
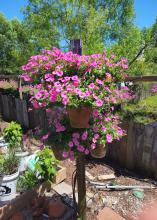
(146, 10)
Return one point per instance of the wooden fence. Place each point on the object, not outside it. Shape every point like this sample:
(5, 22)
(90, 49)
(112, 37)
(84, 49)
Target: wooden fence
(16, 109)
(136, 151)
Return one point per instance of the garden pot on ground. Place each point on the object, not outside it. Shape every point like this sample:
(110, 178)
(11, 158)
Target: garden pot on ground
(8, 187)
(22, 156)
(99, 151)
(79, 117)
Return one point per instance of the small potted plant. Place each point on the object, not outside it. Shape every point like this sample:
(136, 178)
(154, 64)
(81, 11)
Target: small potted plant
(13, 136)
(9, 175)
(42, 168)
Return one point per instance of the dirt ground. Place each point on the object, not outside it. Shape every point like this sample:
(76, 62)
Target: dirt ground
(122, 202)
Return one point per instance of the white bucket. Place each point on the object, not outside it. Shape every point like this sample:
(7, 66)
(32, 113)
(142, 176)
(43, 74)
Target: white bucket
(8, 185)
(22, 156)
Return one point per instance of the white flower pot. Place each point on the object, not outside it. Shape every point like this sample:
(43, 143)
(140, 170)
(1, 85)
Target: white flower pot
(3, 148)
(22, 156)
(8, 185)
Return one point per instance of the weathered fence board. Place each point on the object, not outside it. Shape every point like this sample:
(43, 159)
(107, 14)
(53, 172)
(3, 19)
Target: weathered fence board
(137, 150)
(5, 106)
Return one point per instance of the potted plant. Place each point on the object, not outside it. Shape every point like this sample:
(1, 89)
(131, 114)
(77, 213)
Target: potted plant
(43, 168)
(81, 85)
(13, 136)
(9, 175)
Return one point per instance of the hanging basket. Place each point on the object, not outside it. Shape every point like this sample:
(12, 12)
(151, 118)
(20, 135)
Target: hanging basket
(99, 151)
(79, 117)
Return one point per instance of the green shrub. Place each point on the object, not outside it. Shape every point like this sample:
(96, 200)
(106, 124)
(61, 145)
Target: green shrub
(13, 135)
(9, 164)
(145, 111)
(28, 180)
(46, 164)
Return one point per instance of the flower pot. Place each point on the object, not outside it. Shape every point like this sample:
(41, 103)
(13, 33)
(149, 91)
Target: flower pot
(3, 148)
(79, 117)
(22, 156)
(8, 186)
(56, 208)
(99, 151)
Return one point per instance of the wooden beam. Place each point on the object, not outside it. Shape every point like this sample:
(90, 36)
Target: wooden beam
(141, 79)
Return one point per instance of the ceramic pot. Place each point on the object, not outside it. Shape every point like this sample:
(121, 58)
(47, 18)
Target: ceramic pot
(8, 187)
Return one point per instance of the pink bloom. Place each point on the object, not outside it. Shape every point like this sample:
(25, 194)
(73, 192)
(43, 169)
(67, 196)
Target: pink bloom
(91, 86)
(38, 95)
(96, 136)
(107, 119)
(82, 95)
(65, 154)
(100, 82)
(93, 146)
(94, 140)
(45, 137)
(103, 129)
(84, 135)
(109, 138)
(75, 78)
(70, 144)
(99, 103)
(95, 113)
(65, 101)
(95, 129)
(80, 148)
(26, 77)
(120, 132)
(86, 152)
(76, 135)
(76, 142)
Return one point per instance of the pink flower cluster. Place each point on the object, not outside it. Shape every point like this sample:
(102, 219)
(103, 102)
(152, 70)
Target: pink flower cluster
(154, 89)
(74, 80)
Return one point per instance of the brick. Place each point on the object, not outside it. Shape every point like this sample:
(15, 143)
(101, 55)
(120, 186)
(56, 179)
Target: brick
(108, 214)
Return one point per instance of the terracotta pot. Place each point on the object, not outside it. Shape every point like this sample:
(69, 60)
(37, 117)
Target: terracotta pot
(56, 208)
(99, 151)
(79, 117)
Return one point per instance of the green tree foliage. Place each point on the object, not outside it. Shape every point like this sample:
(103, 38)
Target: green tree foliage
(15, 46)
(96, 22)
(151, 51)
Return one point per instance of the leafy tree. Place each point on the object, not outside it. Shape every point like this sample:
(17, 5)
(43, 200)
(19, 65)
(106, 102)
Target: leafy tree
(151, 52)
(15, 45)
(96, 22)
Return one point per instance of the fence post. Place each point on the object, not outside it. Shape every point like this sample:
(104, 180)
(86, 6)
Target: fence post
(20, 87)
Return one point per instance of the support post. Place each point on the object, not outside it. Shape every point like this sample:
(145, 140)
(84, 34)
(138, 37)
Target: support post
(76, 47)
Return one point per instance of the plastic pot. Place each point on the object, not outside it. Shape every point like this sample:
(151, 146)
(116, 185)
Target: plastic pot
(22, 156)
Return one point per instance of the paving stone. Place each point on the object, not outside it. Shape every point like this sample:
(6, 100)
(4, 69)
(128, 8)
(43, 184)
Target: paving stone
(63, 188)
(108, 214)
(106, 177)
(89, 176)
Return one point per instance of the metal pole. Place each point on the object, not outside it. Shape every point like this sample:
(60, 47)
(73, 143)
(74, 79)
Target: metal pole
(76, 47)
